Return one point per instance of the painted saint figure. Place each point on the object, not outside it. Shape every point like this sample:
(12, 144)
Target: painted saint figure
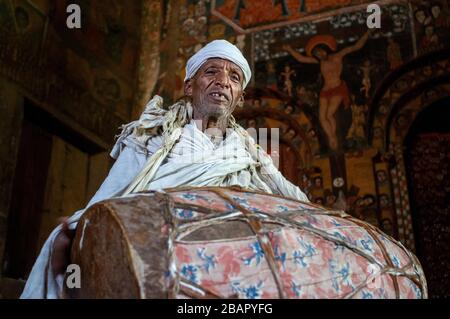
(366, 83)
(356, 131)
(394, 55)
(334, 91)
(430, 40)
(287, 79)
(271, 78)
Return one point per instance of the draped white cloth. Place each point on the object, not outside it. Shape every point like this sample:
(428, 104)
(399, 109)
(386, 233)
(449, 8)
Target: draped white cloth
(196, 161)
(193, 161)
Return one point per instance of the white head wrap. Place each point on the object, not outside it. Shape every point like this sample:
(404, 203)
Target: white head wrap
(218, 49)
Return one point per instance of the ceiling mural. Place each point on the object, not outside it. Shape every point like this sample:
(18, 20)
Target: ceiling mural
(249, 16)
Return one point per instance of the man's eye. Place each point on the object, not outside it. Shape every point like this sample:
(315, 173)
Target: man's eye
(235, 77)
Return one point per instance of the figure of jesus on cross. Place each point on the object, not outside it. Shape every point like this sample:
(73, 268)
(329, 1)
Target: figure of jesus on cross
(320, 50)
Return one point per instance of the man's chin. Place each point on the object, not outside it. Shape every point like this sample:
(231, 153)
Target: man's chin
(217, 113)
(218, 108)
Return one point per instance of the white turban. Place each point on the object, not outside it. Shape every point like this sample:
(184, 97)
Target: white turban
(221, 49)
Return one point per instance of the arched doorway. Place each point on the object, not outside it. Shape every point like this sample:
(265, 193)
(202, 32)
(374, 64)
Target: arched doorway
(427, 161)
(400, 97)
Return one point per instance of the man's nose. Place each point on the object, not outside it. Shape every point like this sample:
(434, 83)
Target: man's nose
(222, 79)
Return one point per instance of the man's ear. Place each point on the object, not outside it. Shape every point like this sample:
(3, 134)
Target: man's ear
(188, 88)
(240, 103)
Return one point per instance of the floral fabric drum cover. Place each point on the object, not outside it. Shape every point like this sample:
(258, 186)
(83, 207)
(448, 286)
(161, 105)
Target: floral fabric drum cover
(214, 242)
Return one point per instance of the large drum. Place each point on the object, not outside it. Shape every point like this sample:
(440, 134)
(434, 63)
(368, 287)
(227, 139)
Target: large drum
(230, 243)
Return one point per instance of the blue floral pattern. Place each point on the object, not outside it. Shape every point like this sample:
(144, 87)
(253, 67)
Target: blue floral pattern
(395, 261)
(366, 295)
(296, 289)
(307, 251)
(258, 254)
(281, 208)
(185, 214)
(280, 257)
(209, 260)
(190, 272)
(367, 243)
(248, 292)
(310, 265)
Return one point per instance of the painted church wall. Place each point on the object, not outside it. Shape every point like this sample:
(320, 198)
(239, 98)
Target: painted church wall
(338, 165)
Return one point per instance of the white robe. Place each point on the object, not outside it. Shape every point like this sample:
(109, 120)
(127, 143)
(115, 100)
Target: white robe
(193, 161)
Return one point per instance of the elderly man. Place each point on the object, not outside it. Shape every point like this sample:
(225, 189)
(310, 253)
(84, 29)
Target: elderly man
(195, 142)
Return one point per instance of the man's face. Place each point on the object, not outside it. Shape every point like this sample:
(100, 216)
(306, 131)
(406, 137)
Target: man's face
(318, 182)
(368, 201)
(331, 199)
(435, 10)
(384, 201)
(216, 88)
(320, 53)
(360, 202)
(420, 16)
(381, 175)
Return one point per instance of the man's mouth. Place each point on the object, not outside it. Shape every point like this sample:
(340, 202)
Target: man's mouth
(219, 95)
